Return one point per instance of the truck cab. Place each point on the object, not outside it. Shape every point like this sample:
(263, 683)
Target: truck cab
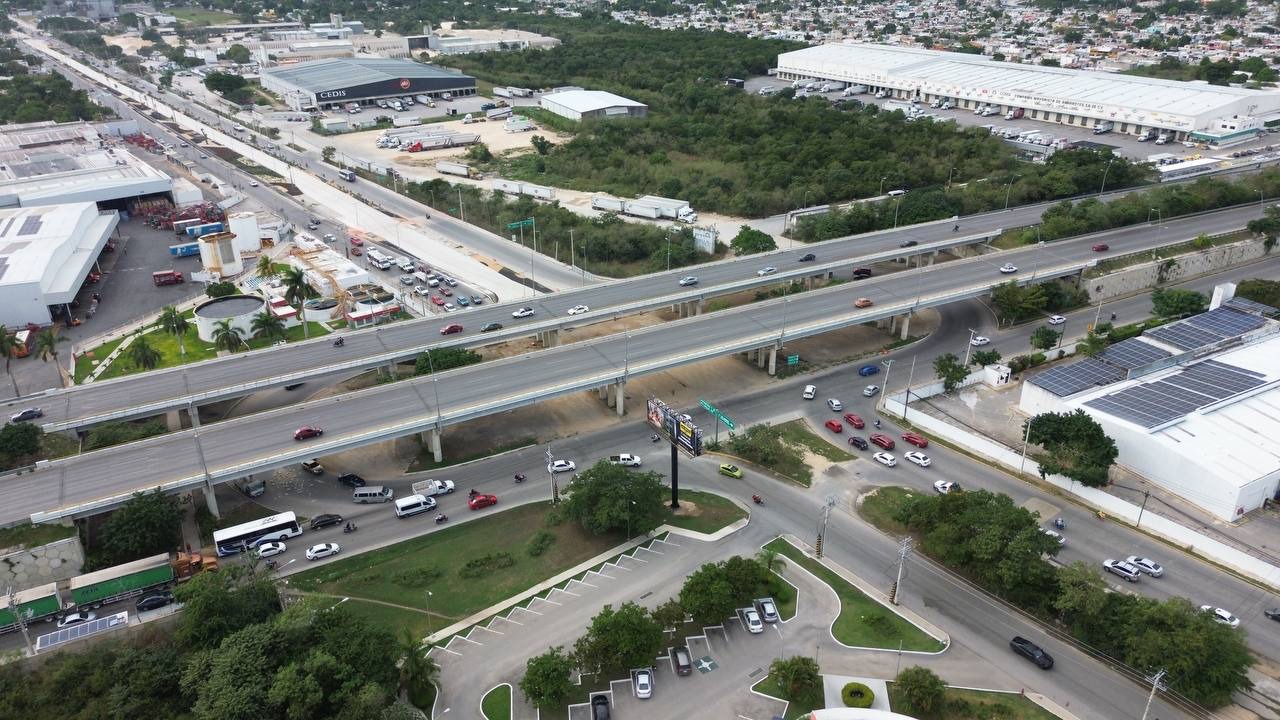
(625, 460)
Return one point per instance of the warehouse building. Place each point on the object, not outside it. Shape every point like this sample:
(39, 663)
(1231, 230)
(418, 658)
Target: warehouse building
(46, 252)
(338, 82)
(591, 104)
(1191, 405)
(1082, 98)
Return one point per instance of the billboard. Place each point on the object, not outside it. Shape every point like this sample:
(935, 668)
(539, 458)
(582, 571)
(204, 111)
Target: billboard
(676, 426)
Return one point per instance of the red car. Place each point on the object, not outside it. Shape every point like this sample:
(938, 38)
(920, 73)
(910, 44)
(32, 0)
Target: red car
(1101, 247)
(883, 441)
(437, 300)
(446, 291)
(451, 329)
(834, 426)
(916, 439)
(356, 241)
(307, 432)
(482, 501)
(854, 421)
(357, 252)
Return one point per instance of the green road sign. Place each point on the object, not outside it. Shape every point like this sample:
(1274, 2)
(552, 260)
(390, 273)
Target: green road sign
(520, 224)
(716, 412)
(793, 359)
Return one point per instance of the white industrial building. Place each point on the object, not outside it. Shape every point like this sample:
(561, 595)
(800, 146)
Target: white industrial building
(46, 252)
(1193, 406)
(1081, 98)
(588, 104)
(474, 40)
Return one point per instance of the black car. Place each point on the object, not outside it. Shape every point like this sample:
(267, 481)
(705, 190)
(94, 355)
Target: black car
(808, 257)
(858, 442)
(154, 601)
(1273, 613)
(325, 520)
(489, 327)
(861, 273)
(909, 243)
(28, 414)
(1032, 652)
(294, 386)
(352, 480)
(599, 707)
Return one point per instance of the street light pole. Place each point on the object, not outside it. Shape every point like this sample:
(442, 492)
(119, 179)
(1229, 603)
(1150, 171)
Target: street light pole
(1104, 177)
(949, 172)
(1007, 190)
(896, 202)
(1025, 439)
(972, 332)
(462, 210)
(886, 177)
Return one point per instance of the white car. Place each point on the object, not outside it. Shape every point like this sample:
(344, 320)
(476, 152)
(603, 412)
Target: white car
(870, 391)
(239, 128)
(835, 405)
(980, 340)
(1056, 319)
(1146, 565)
(886, 459)
(688, 280)
(559, 466)
(578, 309)
(1055, 535)
(766, 271)
(1218, 613)
(644, 684)
(754, 624)
(810, 391)
(1188, 143)
(76, 618)
(523, 312)
(323, 550)
(448, 307)
(422, 290)
(944, 487)
(918, 458)
(1008, 268)
(267, 549)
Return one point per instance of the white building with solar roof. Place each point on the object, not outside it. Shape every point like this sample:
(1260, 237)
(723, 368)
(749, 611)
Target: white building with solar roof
(1193, 406)
(1082, 98)
(46, 252)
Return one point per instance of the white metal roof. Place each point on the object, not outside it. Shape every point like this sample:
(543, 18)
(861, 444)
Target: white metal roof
(585, 101)
(48, 175)
(977, 72)
(52, 246)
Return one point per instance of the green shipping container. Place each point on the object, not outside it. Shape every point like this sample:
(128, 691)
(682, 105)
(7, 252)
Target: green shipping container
(121, 580)
(34, 604)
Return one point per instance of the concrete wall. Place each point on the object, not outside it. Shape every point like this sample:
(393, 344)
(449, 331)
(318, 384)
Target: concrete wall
(28, 568)
(1141, 277)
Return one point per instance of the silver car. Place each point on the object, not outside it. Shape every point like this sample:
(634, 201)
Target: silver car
(870, 391)
(1146, 565)
(1121, 568)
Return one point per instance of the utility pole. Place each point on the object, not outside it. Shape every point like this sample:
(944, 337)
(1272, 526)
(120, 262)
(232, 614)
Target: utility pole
(1145, 494)
(22, 620)
(904, 550)
(822, 526)
(906, 400)
(555, 487)
(1155, 685)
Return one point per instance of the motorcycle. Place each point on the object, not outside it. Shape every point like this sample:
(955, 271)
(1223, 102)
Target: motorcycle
(877, 424)
(757, 499)
(472, 493)
(655, 437)
(349, 528)
(271, 564)
(1060, 523)
(519, 478)
(441, 518)
(339, 342)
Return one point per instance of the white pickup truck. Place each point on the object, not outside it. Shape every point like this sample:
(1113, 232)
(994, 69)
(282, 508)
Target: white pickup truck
(625, 460)
(430, 488)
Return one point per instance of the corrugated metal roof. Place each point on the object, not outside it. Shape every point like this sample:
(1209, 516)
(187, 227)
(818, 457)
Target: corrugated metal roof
(584, 101)
(346, 72)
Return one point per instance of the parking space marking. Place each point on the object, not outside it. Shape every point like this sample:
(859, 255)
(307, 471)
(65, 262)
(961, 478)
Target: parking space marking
(548, 600)
(583, 582)
(489, 629)
(507, 619)
(531, 612)
(649, 549)
(566, 592)
(620, 566)
(633, 557)
(451, 652)
(467, 639)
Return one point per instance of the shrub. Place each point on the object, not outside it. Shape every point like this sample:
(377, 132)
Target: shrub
(416, 578)
(857, 695)
(539, 543)
(481, 566)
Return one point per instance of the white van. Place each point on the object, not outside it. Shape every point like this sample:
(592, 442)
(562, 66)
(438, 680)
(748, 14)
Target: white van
(896, 193)
(414, 504)
(372, 494)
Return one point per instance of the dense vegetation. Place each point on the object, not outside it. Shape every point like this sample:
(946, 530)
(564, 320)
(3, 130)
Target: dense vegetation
(1001, 547)
(1221, 72)
(32, 98)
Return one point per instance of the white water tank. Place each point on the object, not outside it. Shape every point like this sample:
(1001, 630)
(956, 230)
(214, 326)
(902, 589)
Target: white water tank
(248, 234)
(219, 254)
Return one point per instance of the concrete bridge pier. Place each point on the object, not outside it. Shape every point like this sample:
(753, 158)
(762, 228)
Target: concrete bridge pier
(549, 338)
(620, 396)
(773, 360)
(210, 500)
(173, 420)
(432, 438)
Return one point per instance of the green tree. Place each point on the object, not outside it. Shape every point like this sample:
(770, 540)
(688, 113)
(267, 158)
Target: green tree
(142, 355)
(1092, 344)
(1082, 598)
(327, 153)
(1266, 292)
(1176, 302)
(744, 576)
(221, 289)
(417, 668)
(224, 83)
(479, 153)
(296, 292)
(610, 498)
(540, 144)
(445, 358)
(226, 337)
(619, 639)
(265, 268)
(46, 347)
(218, 604)
(1014, 302)
(924, 691)
(1075, 445)
(267, 325)
(8, 346)
(707, 595)
(148, 524)
(798, 676)
(238, 54)
(152, 35)
(750, 241)
(669, 614)
(173, 322)
(950, 371)
(1044, 337)
(19, 443)
(547, 678)
(983, 358)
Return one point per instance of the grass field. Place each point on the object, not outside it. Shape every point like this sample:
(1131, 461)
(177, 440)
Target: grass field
(862, 622)
(496, 704)
(976, 705)
(796, 710)
(797, 433)
(878, 508)
(714, 513)
(29, 535)
(200, 16)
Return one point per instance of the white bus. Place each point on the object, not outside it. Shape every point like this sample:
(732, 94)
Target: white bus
(246, 535)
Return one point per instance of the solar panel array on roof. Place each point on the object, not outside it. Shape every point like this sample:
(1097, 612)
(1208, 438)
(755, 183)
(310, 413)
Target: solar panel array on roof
(85, 629)
(1250, 306)
(31, 225)
(1183, 336)
(1132, 353)
(1066, 380)
(1173, 397)
(1226, 322)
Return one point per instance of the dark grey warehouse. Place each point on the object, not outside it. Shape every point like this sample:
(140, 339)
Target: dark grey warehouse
(336, 82)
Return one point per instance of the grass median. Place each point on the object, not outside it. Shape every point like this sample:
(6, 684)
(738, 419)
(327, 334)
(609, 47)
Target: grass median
(496, 704)
(705, 512)
(798, 433)
(960, 704)
(862, 621)
(796, 709)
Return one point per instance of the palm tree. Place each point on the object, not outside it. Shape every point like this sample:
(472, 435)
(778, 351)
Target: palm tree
(9, 345)
(142, 355)
(296, 292)
(771, 560)
(47, 347)
(265, 267)
(226, 337)
(267, 325)
(173, 322)
(418, 667)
